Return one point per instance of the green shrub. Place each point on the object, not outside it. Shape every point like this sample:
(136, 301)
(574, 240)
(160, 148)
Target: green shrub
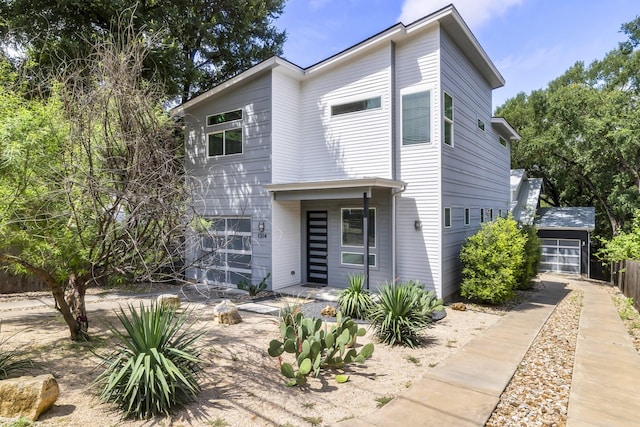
(624, 246)
(355, 301)
(403, 311)
(155, 365)
(316, 348)
(12, 360)
(532, 256)
(492, 260)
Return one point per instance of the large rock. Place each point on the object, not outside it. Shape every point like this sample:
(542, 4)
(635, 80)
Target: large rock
(168, 301)
(27, 397)
(226, 313)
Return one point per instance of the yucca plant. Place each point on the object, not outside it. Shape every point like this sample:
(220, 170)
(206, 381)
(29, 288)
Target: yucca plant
(11, 360)
(156, 364)
(403, 311)
(355, 301)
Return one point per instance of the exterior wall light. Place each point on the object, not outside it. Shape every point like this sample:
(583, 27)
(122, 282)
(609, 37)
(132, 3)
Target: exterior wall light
(418, 225)
(261, 227)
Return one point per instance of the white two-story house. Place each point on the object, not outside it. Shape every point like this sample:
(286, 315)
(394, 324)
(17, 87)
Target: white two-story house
(289, 160)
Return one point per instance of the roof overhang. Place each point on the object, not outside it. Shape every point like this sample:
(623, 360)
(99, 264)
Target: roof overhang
(447, 18)
(333, 189)
(504, 127)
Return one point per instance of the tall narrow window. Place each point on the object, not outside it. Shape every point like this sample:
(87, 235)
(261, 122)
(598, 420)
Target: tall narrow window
(481, 215)
(467, 216)
(416, 118)
(447, 217)
(448, 119)
(490, 214)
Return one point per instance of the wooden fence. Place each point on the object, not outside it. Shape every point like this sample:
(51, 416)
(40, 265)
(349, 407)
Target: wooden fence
(626, 275)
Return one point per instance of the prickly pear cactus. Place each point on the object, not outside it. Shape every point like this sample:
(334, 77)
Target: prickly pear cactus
(316, 348)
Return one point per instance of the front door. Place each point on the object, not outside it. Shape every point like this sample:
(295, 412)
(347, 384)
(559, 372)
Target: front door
(317, 247)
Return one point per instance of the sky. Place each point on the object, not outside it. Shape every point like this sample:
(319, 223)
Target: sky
(531, 42)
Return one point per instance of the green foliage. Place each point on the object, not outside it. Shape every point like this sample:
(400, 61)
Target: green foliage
(316, 347)
(403, 311)
(12, 360)
(581, 134)
(624, 246)
(532, 256)
(254, 289)
(355, 301)
(493, 260)
(156, 364)
(197, 43)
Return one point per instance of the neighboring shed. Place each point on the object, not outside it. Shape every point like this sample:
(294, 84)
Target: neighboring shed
(565, 235)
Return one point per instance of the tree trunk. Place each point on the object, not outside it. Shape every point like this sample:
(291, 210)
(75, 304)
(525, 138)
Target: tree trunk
(74, 297)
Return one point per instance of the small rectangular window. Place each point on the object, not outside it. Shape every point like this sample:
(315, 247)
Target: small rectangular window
(481, 215)
(353, 225)
(352, 258)
(502, 141)
(416, 118)
(447, 217)
(352, 107)
(467, 216)
(448, 119)
(500, 213)
(480, 124)
(225, 143)
(229, 116)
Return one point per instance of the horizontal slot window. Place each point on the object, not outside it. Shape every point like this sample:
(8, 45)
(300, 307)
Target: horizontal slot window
(352, 107)
(220, 118)
(352, 258)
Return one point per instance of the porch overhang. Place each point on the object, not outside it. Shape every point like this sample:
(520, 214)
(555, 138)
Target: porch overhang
(333, 189)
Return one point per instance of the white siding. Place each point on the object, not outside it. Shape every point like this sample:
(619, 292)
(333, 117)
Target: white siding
(475, 172)
(418, 252)
(350, 145)
(286, 149)
(286, 251)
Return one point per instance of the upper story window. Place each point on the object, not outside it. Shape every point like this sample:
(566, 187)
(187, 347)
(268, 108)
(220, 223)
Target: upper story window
(416, 118)
(225, 142)
(448, 119)
(502, 141)
(220, 118)
(447, 217)
(352, 107)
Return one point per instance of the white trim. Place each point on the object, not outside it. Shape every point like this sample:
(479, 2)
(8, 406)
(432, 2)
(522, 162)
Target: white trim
(503, 125)
(335, 184)
(224, 140)
(421, 88)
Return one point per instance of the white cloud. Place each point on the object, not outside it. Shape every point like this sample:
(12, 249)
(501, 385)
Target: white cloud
(474, 12)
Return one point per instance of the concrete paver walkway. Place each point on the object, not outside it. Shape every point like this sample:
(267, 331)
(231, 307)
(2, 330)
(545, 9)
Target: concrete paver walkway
(465, 389)
(605, 389)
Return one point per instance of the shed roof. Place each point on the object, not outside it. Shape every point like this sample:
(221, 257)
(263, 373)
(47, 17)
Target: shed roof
(572, 218)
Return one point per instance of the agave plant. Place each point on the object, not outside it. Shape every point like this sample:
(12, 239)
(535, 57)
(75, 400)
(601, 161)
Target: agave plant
(156, 364)
(355, 301)
(403, 311)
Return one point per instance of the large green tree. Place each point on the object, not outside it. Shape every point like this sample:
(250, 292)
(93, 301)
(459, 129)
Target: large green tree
(91, 189)
(582, 134)
(200, 43)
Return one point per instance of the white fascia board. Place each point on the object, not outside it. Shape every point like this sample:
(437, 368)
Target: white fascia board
(341, 183)
(267, 64)
(504, 126)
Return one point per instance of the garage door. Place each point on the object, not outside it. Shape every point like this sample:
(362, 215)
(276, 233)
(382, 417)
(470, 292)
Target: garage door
(560, 256)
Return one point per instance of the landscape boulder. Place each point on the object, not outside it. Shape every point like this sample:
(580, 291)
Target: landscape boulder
(226, 313)
(27, 397)
(168, 301)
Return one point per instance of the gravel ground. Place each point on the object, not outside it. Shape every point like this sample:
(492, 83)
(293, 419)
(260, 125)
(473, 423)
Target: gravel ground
(538, 394)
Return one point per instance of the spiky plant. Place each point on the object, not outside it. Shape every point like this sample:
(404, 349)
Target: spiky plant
(403, 311)
(156, 364)
(355, 301)
(11, 360)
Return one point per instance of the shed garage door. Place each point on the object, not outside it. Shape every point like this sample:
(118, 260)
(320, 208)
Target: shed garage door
(560, 256)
